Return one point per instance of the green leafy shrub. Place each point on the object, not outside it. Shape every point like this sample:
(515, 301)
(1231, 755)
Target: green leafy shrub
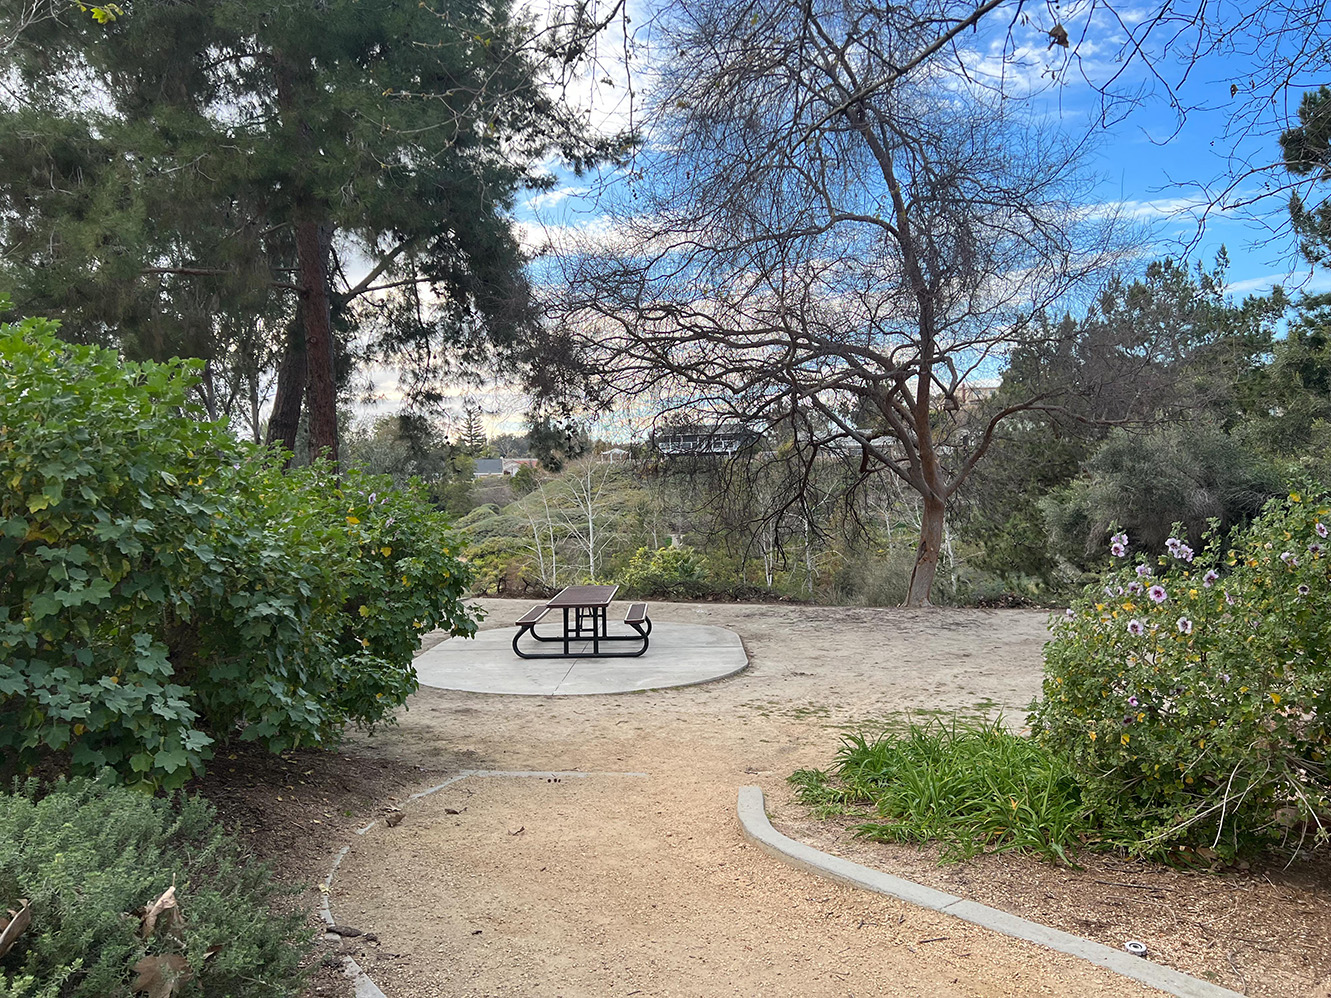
(1200, 690)
(973, 788)
(668, 571)
(88, 854)
(502, 566)
(166, 585)
(1188, 474)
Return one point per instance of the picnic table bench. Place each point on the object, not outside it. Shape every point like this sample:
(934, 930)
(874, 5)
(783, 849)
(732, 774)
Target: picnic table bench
(585, 617)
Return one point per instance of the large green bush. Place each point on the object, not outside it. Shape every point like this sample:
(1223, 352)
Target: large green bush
(677, 570)
(1201, 690)
(89, 854)
(1188, 474)
(165, 585)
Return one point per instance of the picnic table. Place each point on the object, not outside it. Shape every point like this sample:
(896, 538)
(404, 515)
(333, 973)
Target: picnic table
(586, 612)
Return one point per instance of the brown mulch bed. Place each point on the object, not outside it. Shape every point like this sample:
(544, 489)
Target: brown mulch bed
(1264, 931)
(294, 812)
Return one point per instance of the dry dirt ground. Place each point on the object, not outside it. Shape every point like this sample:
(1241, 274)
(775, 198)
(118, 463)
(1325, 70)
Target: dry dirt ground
(621, 884)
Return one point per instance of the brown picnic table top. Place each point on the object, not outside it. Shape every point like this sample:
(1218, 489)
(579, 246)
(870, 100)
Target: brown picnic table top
(571, 597)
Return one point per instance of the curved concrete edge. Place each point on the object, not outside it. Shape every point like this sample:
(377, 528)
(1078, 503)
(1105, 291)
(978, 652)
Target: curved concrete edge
(753, 821)
(366, 988)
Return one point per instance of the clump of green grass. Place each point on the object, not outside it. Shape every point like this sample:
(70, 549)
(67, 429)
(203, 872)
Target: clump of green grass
(972, 787)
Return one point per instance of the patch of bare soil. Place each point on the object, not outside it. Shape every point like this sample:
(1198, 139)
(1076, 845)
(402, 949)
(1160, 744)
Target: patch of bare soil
(1264, 931)
(614, 884)
(293, 812)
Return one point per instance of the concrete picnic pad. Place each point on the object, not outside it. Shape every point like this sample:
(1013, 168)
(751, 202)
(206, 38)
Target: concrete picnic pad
(678, 655)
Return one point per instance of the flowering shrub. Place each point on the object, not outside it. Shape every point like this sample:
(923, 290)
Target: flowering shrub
(163, 585)
(1199, 686)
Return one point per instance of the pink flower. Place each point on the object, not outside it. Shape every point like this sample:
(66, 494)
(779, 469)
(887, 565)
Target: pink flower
(1144, 571)
(1210, 577)
(1117, 550)
(1157, 594)
(1320, 528)
(1136, 628)
(1184, 625)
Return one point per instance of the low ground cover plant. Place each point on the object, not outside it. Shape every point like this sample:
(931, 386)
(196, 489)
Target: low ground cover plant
(91, 857)
(164, 586)
(971, 787)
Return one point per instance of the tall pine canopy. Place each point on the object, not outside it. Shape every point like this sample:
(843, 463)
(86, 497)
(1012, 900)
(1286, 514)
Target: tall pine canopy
(248, 182)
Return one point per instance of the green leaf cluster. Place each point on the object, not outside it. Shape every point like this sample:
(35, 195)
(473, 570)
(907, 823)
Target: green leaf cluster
(165, 586)
(1200, 690)
(972, 787)
(88, 853)
(673, 570)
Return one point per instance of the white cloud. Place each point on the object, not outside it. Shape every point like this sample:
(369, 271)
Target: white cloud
(548, 199)
(1314, 283)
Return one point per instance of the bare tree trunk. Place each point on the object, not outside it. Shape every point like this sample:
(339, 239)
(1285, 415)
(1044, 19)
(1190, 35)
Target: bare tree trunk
(284, 423)
(208, 389)
(926, 555)
(254, 407)
(312, 242)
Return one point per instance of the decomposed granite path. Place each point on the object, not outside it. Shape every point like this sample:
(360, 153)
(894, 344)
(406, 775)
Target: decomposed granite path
(635, 879)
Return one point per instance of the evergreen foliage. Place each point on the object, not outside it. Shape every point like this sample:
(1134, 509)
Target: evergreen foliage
(165, 586)
(88, 854)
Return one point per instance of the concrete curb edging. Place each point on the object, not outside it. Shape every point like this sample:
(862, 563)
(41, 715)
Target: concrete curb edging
(366, 988)
(756, 827)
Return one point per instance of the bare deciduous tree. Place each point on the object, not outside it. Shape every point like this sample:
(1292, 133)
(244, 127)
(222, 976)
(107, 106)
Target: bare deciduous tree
(835, 233)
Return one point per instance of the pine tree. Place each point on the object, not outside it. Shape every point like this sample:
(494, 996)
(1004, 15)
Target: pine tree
(471, 434)
(239, 155)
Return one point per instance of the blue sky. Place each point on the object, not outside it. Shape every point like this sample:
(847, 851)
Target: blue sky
(1148, 162)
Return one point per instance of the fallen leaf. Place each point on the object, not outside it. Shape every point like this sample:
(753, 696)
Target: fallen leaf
(394, 819)
(14, 925)
(164, 913)
(161, 975)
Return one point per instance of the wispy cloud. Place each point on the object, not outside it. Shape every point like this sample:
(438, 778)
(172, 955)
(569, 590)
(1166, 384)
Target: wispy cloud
(1292, 281)
(548, 199)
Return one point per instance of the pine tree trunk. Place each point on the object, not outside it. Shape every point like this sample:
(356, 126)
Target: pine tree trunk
(926, 555)
(284, 423)
(312, 242)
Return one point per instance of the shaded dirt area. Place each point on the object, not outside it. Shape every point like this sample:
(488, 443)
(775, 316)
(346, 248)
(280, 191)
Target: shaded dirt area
(1264, 931)
(294, 812)
(613, 884)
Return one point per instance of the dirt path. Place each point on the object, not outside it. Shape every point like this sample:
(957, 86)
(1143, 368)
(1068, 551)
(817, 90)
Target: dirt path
(643, 885)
